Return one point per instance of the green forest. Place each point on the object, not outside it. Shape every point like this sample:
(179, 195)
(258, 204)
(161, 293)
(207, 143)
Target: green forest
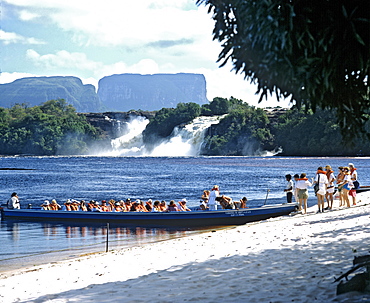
(54, 128)
(249, 130)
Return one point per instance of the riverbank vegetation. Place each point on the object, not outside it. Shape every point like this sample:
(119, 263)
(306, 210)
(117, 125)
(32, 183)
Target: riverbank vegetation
(248, 130)
(53, 128)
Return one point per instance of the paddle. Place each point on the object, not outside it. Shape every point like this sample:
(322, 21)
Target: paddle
(267, 194)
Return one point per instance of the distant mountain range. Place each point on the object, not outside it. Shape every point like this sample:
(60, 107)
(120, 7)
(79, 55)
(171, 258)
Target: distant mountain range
(122, 92)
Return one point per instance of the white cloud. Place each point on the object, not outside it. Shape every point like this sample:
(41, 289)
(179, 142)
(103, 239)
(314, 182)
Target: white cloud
(9, 37)
(162, 36)
(63, 60)
(6, 77)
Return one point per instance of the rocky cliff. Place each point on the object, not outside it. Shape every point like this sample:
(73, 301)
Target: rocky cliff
(123, 92)
(36, 90)
(151, 92)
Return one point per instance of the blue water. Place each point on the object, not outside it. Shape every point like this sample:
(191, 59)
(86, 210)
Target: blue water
(38, 178)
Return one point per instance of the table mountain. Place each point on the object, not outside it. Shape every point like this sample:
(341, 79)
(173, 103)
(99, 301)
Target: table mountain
(36, 90)
(125, 92)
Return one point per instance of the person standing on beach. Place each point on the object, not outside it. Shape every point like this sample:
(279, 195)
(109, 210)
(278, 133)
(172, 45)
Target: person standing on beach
(346, 185)
(295, 189)
(13, 202)
(215, 192)
(356, 184)
(302, 188)
(340, 178)
(289, 188)
(322, 180)
(330, 190)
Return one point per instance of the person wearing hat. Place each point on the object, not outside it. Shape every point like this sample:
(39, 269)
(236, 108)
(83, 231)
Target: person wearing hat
(215, 192)
(13, 202)
(54, 205)
(45, 205)
(67, 205)
(182, 205)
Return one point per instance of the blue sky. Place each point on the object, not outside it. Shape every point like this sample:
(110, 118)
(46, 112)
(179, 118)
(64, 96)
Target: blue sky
(93, 39)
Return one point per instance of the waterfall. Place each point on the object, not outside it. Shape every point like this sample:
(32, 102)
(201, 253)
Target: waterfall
(130, 143)
(185, 140)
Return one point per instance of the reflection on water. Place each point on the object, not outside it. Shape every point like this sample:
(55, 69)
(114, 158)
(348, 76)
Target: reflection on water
(50, 242)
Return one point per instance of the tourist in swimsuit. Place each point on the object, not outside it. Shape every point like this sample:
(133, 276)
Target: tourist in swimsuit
(354, 178)
(340, 178)
(243, 202)
(346, 185)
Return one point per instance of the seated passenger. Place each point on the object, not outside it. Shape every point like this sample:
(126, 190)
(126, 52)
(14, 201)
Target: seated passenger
(111, 204)
(54, 205)
(182, 205)
(243, 202)
(225, 202)
(172, 206)
(128, 204)
(91, 205)
(163, 206)
(156, 206)
(205, 195)
(141, 207)
(149, 205)
(104, 206)
(203, 205)
(135, 207)
(45, 205)
(67, 205)
(96, 206)
(75, 205)
(118, 207)
(83, 206)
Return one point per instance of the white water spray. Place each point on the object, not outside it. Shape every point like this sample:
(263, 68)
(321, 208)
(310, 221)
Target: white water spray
(184, 141)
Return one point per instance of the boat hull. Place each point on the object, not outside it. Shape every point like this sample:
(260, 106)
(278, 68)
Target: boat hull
(180, 219)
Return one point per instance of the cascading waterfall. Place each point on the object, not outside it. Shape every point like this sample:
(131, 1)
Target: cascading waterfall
(184, 141)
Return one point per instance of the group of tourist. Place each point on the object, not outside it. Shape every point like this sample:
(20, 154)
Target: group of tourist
(116, 206)
(325, 184)
(211, 199)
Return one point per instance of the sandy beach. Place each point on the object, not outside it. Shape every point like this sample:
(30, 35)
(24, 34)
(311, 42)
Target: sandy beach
(287, 259)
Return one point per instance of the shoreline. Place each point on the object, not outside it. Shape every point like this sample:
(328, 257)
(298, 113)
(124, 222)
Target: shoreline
(283, 259)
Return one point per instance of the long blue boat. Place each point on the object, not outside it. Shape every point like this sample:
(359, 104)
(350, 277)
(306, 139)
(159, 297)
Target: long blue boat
(155, 219)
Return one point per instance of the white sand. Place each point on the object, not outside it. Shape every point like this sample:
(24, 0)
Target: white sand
(290, 259)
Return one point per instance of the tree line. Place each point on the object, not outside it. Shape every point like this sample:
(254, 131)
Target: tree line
(54, 128)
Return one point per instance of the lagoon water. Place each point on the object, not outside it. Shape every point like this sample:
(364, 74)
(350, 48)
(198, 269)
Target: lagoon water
(36, 179)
